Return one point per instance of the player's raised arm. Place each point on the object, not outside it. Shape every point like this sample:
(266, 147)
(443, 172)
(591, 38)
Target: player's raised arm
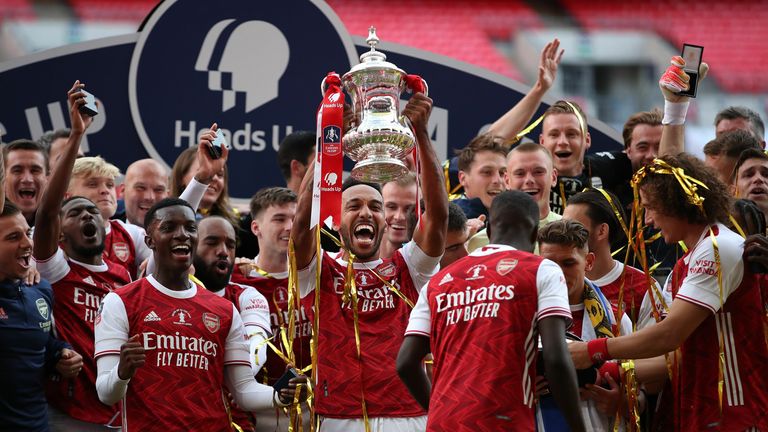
(430, 235)
(675, 106)
(514, 120)
(46, 235)
(303, 237)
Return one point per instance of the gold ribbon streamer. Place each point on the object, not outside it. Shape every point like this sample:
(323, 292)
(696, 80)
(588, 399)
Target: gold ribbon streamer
(389, 285)
(629, 382)
(690, 186)
(737, 226)
(623, 275)
(349, 298)
(316, 328)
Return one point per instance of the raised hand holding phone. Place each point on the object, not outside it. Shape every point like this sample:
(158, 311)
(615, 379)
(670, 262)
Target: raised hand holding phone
(212, 154)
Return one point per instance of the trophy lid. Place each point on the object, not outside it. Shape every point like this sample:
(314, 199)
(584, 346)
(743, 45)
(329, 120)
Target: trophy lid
(373, 59)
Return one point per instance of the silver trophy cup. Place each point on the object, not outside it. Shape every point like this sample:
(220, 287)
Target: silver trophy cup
(383, 137)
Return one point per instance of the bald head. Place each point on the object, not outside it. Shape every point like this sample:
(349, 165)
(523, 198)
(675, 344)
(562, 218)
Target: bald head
(146, 182)
(215, 254)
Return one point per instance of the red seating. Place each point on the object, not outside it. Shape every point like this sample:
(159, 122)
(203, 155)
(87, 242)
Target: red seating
(113, 10)
(733, 33)
(461, 29)
(16, 9)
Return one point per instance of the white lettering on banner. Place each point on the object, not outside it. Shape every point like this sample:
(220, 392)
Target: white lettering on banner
(187, 134)
(56, 116)
(154, 341)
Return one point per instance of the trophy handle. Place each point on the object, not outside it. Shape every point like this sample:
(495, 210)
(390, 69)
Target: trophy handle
(426, 87)
(416, 83)
(323, 87)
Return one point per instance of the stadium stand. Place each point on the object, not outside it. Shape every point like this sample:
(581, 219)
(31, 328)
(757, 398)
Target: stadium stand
(16, 9)
(733, 33)
(112, 10)
(459, 29)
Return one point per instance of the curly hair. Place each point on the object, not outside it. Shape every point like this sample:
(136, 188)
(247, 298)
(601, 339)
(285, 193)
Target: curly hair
(668, 198)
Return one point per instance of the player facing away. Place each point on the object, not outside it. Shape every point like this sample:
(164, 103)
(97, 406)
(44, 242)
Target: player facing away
(166, 347)
(344, 380)
(68, 246)
(501, 290)
(716, 312)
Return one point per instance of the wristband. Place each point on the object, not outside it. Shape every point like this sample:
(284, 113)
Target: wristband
(598, 350)
(610, 368)
(674, 112)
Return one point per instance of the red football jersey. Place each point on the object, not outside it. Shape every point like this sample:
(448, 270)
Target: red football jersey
(635, 286)
(119, 247)
(78, 290)
(274, 287)
(745, 392)
(480, 314)
(186, 342)
(382, 317)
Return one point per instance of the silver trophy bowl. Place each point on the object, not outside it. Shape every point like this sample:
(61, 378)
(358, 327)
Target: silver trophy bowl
(383, 138)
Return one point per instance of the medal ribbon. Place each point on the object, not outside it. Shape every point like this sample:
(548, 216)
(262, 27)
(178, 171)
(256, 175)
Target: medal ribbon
(326, 194)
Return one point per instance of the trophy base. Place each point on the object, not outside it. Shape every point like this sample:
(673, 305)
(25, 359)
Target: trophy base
(379, 169)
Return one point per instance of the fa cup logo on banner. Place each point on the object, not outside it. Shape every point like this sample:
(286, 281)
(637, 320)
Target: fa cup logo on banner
(330, 178)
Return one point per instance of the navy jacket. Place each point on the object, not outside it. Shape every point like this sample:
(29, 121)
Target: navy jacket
(29, 352)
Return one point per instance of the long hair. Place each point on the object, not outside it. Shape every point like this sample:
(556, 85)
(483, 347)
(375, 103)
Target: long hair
(181, 168)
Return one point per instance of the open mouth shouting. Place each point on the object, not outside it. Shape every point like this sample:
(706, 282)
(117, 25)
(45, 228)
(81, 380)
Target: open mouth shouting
(24, 259)
(27, 194)
(364, 234)
(90, 230)
(221, 267)
(563, 155)
(182, 251)
(533, 192)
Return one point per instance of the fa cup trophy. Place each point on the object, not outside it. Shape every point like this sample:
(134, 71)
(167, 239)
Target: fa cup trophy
(384, 137)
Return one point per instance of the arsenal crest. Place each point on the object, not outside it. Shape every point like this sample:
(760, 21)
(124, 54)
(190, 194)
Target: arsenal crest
(121, 251)
(505, 266)
(211, 322)
(42, 307)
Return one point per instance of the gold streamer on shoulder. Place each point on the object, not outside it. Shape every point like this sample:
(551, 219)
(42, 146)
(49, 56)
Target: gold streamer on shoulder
(737, 226)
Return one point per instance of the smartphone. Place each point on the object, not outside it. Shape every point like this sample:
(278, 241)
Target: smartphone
(90, 108)
(283, 381)
(692, 54)
(215, 148)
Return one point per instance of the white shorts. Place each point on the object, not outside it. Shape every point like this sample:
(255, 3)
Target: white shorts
(377, 424)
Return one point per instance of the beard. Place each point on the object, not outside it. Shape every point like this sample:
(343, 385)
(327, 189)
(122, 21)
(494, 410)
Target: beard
(88, 251)
(212, 281)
